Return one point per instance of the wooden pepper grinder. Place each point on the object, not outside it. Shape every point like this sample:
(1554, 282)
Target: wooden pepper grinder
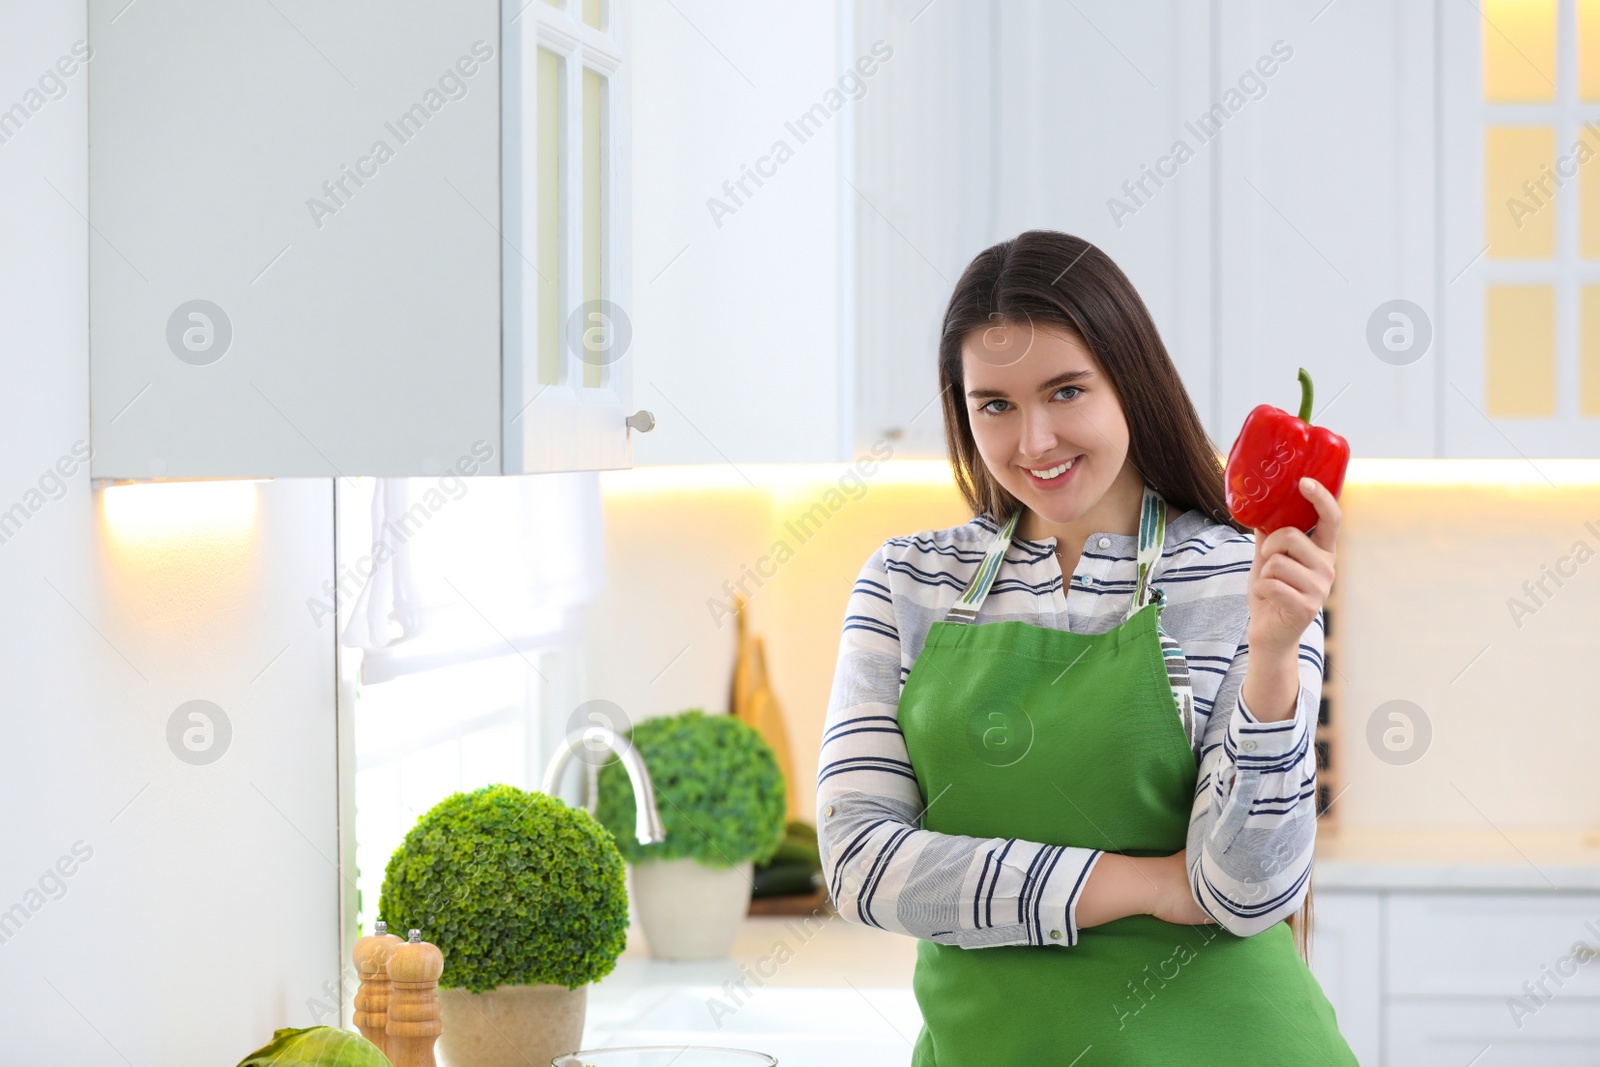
(414, 1019)
(371, 957)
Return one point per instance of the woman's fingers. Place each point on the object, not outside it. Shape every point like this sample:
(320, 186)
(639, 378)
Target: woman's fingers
(1314, 550)
(1293, 573)
(1285, 603)
(1326, 532)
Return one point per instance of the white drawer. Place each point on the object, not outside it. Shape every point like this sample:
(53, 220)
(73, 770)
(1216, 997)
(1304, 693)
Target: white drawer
(1455, 1033)
(1489, 944)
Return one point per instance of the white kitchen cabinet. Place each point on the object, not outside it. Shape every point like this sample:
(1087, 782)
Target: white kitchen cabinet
(1447, 977)
(1325, 219)
(1488, 944)
(1327, 210)
(794, 295)
(1298, 209)
(1479, 1031)
(1346, 960)
(739, 125)
(1263, 173)
(1000, 118)
(1509, 975)
(358, 239)
(1419, 153)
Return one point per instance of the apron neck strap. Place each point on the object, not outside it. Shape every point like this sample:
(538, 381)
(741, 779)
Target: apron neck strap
(1152, 536)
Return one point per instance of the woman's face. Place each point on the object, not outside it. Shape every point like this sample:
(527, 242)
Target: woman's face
(1036, 399)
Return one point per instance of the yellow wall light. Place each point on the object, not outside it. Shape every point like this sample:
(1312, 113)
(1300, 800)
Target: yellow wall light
(1538, 472)
(160, 511)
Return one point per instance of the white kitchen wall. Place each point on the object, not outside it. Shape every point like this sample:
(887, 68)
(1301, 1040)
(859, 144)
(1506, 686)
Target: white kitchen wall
(201, 908)
(1441, 608)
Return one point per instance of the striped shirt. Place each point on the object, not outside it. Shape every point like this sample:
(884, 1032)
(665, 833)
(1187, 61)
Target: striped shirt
(1253, 824)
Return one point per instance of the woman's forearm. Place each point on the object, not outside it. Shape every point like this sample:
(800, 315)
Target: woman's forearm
(1271, 687)
(1118, 886)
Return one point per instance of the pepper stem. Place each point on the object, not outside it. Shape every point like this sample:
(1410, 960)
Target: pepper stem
(1305, 396)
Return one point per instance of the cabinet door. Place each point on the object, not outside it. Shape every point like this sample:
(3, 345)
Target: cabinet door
(1325, 217)
(1480, 1031)
(1346, 960)
(1513, 973)
(1521, 241)
(566, 259)
(736, 214)
(294, 257)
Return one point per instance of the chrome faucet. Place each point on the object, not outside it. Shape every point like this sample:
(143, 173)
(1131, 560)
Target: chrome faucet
(647, 822)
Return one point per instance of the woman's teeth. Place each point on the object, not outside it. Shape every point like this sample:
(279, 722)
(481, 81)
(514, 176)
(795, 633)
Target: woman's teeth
(1052, 472)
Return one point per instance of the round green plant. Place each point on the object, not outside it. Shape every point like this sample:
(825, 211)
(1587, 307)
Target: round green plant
(718, 788)
(515, 888)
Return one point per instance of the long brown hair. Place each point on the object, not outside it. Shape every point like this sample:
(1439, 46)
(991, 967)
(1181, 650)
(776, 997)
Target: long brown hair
(1043, 277)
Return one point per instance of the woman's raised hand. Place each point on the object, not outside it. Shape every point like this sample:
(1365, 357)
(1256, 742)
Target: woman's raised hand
(1291, 575)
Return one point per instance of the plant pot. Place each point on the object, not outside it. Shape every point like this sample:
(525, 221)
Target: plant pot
(510, 1026)
(690, 911)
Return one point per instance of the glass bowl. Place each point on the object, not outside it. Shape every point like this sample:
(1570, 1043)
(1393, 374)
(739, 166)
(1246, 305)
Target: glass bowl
(664, 1056)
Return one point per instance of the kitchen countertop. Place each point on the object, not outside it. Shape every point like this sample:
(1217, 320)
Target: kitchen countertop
(1363, 858)
(823, 993)
(818, 950)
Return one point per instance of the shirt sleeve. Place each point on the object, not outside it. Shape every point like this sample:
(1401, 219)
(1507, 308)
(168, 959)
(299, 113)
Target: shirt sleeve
(1252, 831)
(881, 869)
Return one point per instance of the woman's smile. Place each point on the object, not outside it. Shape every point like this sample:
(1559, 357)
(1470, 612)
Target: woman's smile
(1053, 476)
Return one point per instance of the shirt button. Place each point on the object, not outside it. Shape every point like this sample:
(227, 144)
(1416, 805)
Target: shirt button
(1104, 542)
(1247, 745)
(1055, 935)
(828, 811)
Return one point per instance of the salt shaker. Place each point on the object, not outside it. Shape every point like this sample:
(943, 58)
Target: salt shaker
(371, 958)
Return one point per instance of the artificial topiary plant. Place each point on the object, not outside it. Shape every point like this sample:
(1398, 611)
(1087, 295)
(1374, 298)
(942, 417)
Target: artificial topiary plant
(718, 788)
(515, 888)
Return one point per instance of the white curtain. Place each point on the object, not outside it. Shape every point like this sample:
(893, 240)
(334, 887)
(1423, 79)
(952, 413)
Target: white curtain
(460, 569)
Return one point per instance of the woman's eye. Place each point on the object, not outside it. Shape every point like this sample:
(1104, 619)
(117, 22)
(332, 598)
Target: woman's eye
(987, 410)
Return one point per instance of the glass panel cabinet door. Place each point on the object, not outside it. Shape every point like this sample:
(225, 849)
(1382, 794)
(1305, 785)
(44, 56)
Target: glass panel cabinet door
(568, 336)
(1519, 136)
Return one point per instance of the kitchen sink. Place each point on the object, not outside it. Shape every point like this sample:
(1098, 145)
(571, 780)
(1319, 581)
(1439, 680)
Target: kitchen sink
(800, 1026)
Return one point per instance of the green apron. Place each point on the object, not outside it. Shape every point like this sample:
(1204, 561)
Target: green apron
(1029, 732)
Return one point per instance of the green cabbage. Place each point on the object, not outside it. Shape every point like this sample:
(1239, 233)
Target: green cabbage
(327, 1046)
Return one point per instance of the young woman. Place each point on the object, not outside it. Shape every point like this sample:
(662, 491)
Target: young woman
(1069, 741)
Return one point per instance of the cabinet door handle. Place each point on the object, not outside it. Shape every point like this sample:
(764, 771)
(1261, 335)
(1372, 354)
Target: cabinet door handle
(641, 420)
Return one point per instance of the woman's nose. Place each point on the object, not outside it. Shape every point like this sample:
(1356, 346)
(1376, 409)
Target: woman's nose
(1038, 437)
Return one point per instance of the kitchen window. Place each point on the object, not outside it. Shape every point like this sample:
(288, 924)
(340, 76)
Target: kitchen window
(424, 736)
(461, 644)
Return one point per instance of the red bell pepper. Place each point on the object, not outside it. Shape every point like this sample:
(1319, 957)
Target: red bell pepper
(1273, 451)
